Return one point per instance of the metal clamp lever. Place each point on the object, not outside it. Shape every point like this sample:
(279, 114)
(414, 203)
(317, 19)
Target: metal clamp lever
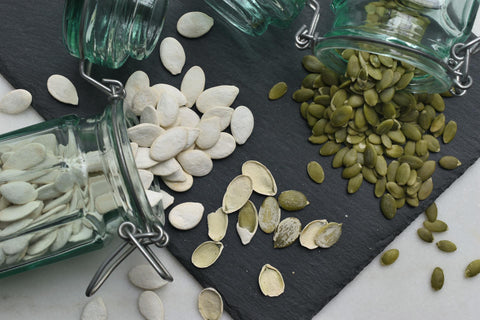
(305, 35)
(114, 90)
(459, 64)
(134, 240)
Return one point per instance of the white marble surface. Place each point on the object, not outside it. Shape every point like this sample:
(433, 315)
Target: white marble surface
(400, 291)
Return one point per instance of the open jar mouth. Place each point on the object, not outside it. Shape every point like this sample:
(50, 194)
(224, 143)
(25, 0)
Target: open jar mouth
(432, 76)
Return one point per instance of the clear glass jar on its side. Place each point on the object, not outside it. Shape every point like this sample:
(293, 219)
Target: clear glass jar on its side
(67, 184)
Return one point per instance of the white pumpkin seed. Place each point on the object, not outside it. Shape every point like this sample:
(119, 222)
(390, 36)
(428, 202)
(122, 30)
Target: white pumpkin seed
(143, 159)
(105, 203)
(62, 89)
(206, 254)
(192, 136)
(160, 88)
(47, 214)
(48, 191)
(3, 203)
(16, 245)
(186, 216)
(224, 113)
(194, 24)
(143, 98)
(172, 55)
(146, 177)
(167, 109)
(150, 306)
(94, 160)
(2, 257)
(195, 162)
(95, 309)
(219, 96)
(271, 281)
(217, 224)
(328, 235)
(242, 124)
(165, 168)
(210, 304)
(192, 85)
(144, 134)
(64, 181)
(187, 117)
(66, 197)
(209, 132)
(14, 213)
(26, 157)
(145, 277)
(136, 82)
(288, 230)
(223, 148)
(237, 194)
(309, 233)
(18, 192)
(169, 144)
(84, 234)
(167, 199)
(15, 101)
(153, 197)
(247, 222)
(262, 179)
(19, 175)
(269, 215)
(134, 147)
(15, 227)
(180, 186)
(150, 115)
(63, 234)
(43, 243)
(178, 176)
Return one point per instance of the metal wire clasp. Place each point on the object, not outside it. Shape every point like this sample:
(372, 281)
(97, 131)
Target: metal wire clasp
(306, 35)
(459, 64)
(133, 240)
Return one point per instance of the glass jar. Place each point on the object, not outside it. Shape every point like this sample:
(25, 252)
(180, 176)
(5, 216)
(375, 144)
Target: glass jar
(66, 185)
(254, 16)
(419, 32)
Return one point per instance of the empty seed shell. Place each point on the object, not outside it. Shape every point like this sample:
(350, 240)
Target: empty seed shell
(247, 222)
(263, 181)
(389, 257)
(269, 215)
(472, 269)
(210, 304)
(271, 281)
(237, 194)
(292, 200)
(206, 254)
(437, 279)
(309, 232)
(425, 234)
(449, 162)
(217, 224)
(328, 235)
(277, 91)
(446, 246)
(288, 230)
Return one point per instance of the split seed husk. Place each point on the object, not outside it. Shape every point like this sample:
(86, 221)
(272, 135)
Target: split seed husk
(437, 279)
(446, 246)
(288, 230)
(263, 181)
(472, 269)
(292, 200)
(307, 236)
(237, 194)
(206, 254)
(247, 222)
(217, 224)
(210, 304)
(328, 235)
(271, 281)
(389, 257)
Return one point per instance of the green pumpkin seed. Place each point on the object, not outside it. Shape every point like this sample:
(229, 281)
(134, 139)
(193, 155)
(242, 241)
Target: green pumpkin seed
(386, 61)
(431, 212)
(381, 166)
(449, 162)
(371, 97)
(319, 128)
(413, 189)
(318, 139)
(409, 148)
(384, 127)
(413, 201)
(389, 110)
(404, 81)
(450, 131)
(316, 110)
(425, 189)
(395, 151)
(330, 77)
(438, 123)
(312, 64)
(425, 119)
(392, 170)
(341, 116)
(403, 174)
(356, 140)
(353, 67)
(472, 269)
(446, 246)
(433, 144)
(308, 81)
(395, 190)
(425, 234)
(386, 80)
(355, 183)
(436, 226)
(337, 160)
(351, 171)
(374, 61)
(369, 175)
(292, 200)
(318, 83)
(375, 73)
(400, 202)
(388, 206)
(311, 120)
(323, 99)
(412, 178)
(330, 148)
(303, 94)
(374, 138)
(437, 102)
(370, 115)
(411, 132)
(397, 136)
(355, 101)
(288, 230)
(380, 187)
(387, 94)
(386, 141)
(413, 161)
(427, 170)
(421, 147)
(350, 158)
(303, 109)
(347, 53)
(389, 257)
(338, 99)
(315, 172)
(437, 279)
(277, 91)
(370, 156)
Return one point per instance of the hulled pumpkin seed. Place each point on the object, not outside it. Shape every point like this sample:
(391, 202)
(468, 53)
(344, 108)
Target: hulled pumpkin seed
(380, 187)
(427, 170)
(446, 245)
(388, 206)
(288, 230)
(312, 64)
(449, 162)
(395, 190)
(403, 174)
(328, 235)
(302, 95)
(450, 131)
(425, 234)
(436, 226)
(369, 175)
(269, 215)
(472, 269)
(247, 222)
(210, 304)
(437, 102)
(277, 91)
(437, 123)
(309, 232)
(432, 143)
(413, 161)
(437, 279)
(206, 254)
(389, 257)
(351, 171)
(392, 170)
(425, 189)
(318, 139)
(337, 160)
(330, 148)
(271, 281)
(341, 116)
(315, 172)
(355, 183)
(237, 194)
(431, 212)
(292, 200)
(263, 181)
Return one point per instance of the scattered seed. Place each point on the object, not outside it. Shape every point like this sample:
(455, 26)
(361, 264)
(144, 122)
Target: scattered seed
(186, 216)
(263, 181)
(431, 212)
(446, 245)
(15, 101)
(62, 89)
(247, 222)
(206, 254)
(277, 91)
(143, 276)
(328, 235)
(151, 306)
(194, 24)
(437, 279)
(242, 124)
(389, 257)
(309, 232)
(271, 281)
(388, 206)
(95, 309)
(288, 230)
(269, 215)
(237, 194)
(449, 162)
(315, 172)
(436, 226)
(172, 55)
(292, 200)
(472, 269)
(425, 234)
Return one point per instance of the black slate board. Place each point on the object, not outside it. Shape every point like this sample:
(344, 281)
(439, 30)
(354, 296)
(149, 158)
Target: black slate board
(31, 49)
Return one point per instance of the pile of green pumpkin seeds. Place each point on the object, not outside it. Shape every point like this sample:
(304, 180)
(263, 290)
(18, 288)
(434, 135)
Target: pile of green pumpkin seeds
(374, 129)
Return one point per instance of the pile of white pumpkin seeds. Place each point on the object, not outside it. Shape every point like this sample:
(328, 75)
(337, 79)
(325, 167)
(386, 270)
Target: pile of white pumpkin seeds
(374, 129)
